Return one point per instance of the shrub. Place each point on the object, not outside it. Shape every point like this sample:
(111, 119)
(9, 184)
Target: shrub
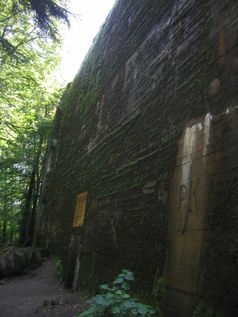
(59, 268)
(116, 301)
(202, 310)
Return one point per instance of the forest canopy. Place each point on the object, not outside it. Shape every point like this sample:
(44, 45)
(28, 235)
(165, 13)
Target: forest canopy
(29, 54)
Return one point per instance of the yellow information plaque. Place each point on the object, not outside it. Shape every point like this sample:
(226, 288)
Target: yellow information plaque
(80, 209)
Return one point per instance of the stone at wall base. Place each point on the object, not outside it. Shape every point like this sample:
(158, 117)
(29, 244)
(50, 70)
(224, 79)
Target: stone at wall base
(15, 261)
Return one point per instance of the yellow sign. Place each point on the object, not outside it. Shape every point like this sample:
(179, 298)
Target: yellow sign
(80, 209)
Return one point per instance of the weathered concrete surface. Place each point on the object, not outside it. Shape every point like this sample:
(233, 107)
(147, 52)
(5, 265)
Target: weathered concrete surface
(124, 133)
(202, 167)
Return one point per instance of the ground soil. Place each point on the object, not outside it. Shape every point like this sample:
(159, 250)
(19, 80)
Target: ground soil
(39, 293)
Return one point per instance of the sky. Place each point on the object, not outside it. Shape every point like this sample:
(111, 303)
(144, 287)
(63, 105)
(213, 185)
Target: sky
(78, 39)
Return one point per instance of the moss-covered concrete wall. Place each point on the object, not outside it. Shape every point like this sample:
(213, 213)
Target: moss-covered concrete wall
(155, 68)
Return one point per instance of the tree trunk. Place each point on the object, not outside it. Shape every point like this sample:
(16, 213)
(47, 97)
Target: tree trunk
(27, 210)
(4, 230)
(34, 208)
(29, 213)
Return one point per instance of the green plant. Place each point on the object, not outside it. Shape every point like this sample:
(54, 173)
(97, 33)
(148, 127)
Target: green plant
(59, 268)
(202, 310)
(158, 290)
(116, 300)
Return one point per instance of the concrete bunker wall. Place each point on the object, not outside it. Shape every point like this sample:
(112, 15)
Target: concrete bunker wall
(148, 130)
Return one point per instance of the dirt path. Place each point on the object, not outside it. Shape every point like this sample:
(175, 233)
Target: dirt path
(39, 294)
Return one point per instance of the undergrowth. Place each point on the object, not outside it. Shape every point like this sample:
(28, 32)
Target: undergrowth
(59, 268)
(115, 300)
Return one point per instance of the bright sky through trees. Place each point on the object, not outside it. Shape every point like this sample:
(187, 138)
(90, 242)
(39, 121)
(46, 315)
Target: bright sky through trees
(79, 37)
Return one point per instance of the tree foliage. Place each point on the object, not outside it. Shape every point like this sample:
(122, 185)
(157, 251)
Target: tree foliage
(28, 96)
(25, 23)
(44, 13)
